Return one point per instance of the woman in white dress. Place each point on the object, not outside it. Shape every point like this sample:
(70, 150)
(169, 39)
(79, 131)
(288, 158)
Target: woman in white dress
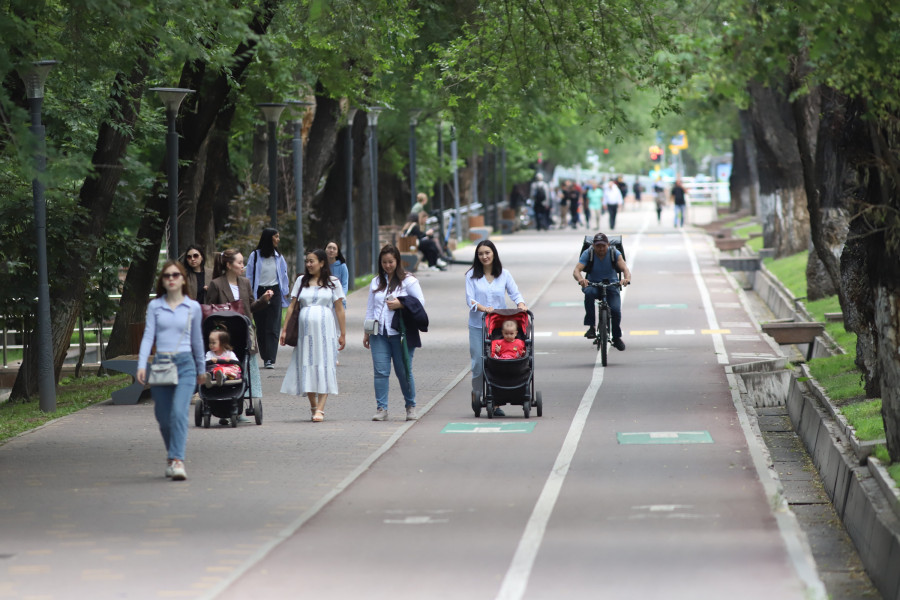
(312, 369)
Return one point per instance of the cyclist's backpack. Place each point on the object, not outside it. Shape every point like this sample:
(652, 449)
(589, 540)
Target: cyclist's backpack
(540, 193)
(615, 241)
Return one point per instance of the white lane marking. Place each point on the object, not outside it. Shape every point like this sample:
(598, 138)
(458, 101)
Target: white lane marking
(516, 580)
(680, 332)
(423, 520)
(718, 342)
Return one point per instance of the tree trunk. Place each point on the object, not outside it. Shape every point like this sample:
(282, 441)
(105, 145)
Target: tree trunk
(197, 118)
(781, 192)
(95, 197)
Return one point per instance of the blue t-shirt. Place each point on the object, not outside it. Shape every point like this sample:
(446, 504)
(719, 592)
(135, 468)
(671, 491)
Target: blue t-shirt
(602, 268)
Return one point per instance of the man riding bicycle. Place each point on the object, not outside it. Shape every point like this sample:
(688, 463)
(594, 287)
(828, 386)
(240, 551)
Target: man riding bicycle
(606, 263)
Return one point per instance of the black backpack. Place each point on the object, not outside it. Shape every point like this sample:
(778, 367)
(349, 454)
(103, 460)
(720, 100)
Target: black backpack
(615, 241)
(540, 193)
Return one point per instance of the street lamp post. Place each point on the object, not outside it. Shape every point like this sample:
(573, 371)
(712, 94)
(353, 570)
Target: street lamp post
(349, 247)
(372, 115)
(172, 98)
(413, 121)
(34, 80)
(298, 110)
(272, 112)
(440, 180)
(454, 160)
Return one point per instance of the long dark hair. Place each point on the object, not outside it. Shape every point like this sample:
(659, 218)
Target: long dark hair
(478, 268)
(184, 259)
(160, 286)
(324, 272)
(399, 273)
(340, 255)
(265, 246)
(223, 259)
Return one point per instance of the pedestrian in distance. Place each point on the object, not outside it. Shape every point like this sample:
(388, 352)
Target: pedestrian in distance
(387, 293)
(540, 198)
(267, 271)
(198, 275)
(660, 199)
(487, 286)
(230, 285)
(337, 264)
(595, 205)
(319, 297)
(603, 267)
(678, 199)
(419, 205)
(612, 200)
(416, 225)
(637, 188)
(172, 324)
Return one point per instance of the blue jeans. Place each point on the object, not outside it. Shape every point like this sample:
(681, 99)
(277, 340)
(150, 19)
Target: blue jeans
(679, 215)
(615, 308)
(384, 349)
(172, 405)
(476, 351)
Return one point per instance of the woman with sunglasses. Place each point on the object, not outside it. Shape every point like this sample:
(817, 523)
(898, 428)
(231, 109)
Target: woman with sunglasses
(173, 325)
(198, 278)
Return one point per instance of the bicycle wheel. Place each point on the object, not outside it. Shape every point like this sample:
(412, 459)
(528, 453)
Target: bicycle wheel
(603, 334)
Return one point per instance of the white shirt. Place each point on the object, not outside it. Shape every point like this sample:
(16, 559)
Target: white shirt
(480, 291)
(612, 194)
(235, 291)
(376, 308)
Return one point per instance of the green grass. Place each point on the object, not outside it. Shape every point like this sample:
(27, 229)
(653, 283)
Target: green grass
(363, 281)
(839, 376)
(865, 417)
(72, 395)
(791, 271)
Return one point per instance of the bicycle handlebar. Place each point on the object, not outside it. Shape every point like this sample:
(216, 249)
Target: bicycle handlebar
(617, 284)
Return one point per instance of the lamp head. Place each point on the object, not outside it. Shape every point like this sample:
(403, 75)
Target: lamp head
(351, 114)
(414, 115)
(271, 110)
(298, 107)
(35, 77)
(372, 113)
(172, 97)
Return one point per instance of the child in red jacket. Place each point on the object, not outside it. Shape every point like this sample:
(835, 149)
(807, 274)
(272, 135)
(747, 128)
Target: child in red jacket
(510, 346)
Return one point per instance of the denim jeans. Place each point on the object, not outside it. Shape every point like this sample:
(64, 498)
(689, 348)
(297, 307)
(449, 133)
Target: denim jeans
(679, 215)
(172, 405)
(615, 308)
(386, 348)
(476, 351)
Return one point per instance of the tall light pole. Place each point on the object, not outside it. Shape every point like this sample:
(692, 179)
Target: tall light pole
(298, 110)
(440, 181)
(34, 79)
(272, 112)
(454, 160)
(372, 116)
(172, 98)
(349, 247)
(413, 121)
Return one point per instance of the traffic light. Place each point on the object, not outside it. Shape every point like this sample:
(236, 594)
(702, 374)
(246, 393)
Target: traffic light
(606, 151)
(655, 153)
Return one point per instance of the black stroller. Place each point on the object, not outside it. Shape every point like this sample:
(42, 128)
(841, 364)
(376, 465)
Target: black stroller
(507, 381)
(227, 401)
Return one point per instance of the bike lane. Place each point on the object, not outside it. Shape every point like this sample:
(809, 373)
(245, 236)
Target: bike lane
(575, 507)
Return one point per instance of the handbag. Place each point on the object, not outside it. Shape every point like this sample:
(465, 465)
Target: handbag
(235, 305)
(164, 371)
(370, 326)
(292, 329)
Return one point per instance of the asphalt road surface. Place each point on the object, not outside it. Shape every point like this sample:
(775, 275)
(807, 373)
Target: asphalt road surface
(640, 480)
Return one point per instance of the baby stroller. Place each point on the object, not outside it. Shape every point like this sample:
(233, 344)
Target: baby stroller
(227, 401)
(507, 381)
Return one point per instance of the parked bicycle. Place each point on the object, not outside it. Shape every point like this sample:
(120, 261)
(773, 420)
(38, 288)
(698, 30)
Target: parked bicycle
(604, 318)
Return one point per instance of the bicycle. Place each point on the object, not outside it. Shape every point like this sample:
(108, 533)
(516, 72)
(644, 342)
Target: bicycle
(604, 318)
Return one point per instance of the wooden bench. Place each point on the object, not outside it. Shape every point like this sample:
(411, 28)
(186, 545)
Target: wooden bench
(798, 332)
(728, 244)
(835, 317)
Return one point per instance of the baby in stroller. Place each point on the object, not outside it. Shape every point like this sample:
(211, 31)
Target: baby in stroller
(222, 363)
(509, 346)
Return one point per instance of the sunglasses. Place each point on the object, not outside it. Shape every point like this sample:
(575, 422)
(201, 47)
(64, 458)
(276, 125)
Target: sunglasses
(174, 275)
(193, 256)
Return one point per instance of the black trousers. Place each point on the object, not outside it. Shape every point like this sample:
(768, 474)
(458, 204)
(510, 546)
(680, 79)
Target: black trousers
(268, 324)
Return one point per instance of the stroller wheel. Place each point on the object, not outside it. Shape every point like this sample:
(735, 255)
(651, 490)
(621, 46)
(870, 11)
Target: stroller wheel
(234, 418)
(526, 408)
(476, 404)
(257, 410)
(538, 404)
(490, 409)
(198, 413)
(206, 421)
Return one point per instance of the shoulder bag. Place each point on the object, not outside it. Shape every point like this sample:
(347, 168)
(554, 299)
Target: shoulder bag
(292, 329)
(164, 371)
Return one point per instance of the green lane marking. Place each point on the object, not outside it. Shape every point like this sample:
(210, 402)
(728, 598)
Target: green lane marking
(665, 437)
(565, 304)
(651, 306)
(522, 427)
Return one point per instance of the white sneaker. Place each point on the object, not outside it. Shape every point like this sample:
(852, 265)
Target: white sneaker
(435, 268)
(169, 468)
(380, 415)
(441, 263)
(411, 414)
(178, 472)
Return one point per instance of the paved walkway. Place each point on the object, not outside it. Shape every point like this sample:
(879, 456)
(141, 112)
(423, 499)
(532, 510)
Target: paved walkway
(350, 508)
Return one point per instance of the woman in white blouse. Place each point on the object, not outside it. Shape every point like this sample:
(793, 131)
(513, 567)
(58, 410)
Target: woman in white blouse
(487, 285)
(391, 283)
